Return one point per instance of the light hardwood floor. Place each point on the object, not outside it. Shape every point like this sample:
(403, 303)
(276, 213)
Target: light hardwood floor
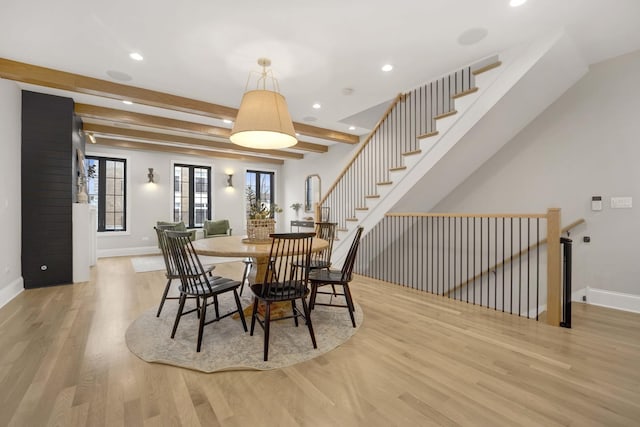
(417, 360)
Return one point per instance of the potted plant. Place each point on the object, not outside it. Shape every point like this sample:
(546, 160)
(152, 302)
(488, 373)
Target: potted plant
(260, 222)
(296, 207)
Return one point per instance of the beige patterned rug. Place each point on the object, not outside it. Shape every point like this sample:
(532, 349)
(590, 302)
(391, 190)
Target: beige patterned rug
(225, 345)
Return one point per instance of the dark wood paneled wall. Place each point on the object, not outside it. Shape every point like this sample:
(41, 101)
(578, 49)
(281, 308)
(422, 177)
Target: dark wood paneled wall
(48, 188)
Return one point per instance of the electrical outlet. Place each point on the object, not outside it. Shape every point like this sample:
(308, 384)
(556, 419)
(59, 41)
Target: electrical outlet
(584, 298)
(586, 239)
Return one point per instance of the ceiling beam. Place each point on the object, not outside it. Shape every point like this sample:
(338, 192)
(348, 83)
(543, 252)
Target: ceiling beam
(121, 116)
(121, 143)
(164, 137)
(41, 76)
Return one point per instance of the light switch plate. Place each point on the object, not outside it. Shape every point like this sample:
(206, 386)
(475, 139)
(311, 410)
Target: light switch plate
(621, 203)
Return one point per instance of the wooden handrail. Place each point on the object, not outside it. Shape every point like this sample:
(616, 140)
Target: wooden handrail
(395, 102)
(514, 257)
(467, 215)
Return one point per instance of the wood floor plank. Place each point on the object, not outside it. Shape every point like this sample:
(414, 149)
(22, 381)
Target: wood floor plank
(418, 359)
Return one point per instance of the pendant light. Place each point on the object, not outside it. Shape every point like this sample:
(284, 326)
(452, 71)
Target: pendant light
(263, 120)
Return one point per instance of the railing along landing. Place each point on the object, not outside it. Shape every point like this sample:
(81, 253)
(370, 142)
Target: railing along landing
(506, 262)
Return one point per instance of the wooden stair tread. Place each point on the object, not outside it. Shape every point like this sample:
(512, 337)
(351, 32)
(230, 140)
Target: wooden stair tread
(443, 115)
(351, 219)
(486, 68)
(465, 93)
(428, 134)
(411, 153)
(385, 183)
(398, 168)
(363, 208)
(341, 229)
(372, 196)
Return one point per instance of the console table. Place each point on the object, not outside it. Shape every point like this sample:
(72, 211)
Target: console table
(301, 223)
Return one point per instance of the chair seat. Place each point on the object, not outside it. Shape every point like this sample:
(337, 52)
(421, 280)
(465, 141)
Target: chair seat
(326, 276)
(284, 291)
(218, 285)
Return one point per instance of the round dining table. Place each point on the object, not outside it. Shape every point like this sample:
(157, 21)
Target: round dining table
(239, 247)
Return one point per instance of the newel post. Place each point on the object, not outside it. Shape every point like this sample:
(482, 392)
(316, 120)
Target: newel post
(554, 271)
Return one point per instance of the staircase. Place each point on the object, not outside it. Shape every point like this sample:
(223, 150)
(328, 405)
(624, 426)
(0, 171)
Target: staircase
(434, 137)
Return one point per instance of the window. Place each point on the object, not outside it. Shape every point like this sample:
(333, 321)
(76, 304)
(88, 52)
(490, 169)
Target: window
(262, 183)
(192, 194)
(106, 187)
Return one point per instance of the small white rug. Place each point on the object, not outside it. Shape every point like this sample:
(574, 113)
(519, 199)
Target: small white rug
(156, 262)
(225, 346)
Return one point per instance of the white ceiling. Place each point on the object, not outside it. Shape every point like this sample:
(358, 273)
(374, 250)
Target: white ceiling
(205, 49)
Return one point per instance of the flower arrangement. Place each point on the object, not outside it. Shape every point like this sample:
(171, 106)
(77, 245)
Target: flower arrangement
(296, 207)
(259, 210)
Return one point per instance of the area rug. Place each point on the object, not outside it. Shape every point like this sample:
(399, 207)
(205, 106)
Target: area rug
(225, 345)
(143, 264)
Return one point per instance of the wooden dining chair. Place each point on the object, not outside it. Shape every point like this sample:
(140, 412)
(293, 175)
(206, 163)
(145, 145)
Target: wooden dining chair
(171, 272)
(283, 283)
(319, 278)
(196, 282)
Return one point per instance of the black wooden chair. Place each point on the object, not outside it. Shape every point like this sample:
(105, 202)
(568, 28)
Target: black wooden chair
(322, 259)
(283, 283)
(170, 268)
(319, 278)
(195, 282)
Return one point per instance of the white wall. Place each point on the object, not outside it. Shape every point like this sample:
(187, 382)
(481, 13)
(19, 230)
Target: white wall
(148, 203)
(10, 199)
(585, 144)
(327, 165)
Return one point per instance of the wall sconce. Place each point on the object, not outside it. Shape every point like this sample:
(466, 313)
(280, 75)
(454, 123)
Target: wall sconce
(229, 180)
(150, 175)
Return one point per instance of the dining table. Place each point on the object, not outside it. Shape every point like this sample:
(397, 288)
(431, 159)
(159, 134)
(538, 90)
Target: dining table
(241, 247)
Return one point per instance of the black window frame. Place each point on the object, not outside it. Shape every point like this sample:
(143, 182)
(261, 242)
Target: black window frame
(192, 188)
(258, 190)
(102, 196)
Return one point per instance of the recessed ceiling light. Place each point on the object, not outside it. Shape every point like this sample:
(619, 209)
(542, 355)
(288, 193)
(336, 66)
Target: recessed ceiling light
(472, 36)
(227, 121)
(136, 56)
(127, 102)
(387, 67)
(297, 134)
(352, 128)
(119, 75)
(317, 106)
(516, 3)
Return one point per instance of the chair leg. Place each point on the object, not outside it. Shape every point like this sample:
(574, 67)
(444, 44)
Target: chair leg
(164, 296)
(215, 306)
(294, 311)
(183, 298)
(312, 297)
(203, 315)
(267, 320)
(307, 314)
(253, 315)
(347, 295)
(240, 312)
(245, 275)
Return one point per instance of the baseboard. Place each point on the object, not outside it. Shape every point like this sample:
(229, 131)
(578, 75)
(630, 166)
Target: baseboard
(610, 299)
(145, 250)
(11, 291)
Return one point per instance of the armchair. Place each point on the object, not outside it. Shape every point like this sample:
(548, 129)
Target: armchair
(176, 226)
(217, 228)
